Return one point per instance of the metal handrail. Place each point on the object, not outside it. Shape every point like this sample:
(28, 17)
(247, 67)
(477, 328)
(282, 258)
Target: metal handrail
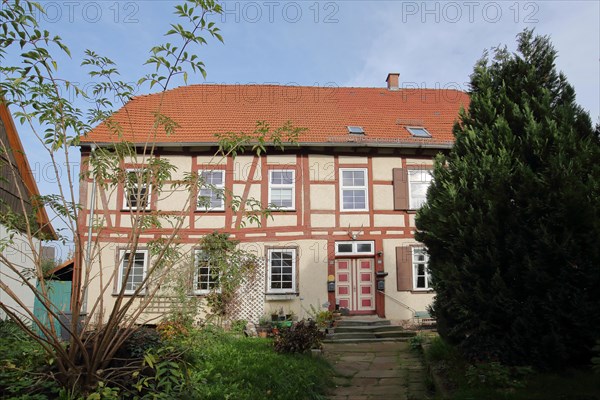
(412, 310)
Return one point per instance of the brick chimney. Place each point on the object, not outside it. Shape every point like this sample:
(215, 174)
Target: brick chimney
(393, 81)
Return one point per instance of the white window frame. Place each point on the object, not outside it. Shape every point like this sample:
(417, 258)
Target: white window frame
(411, 130)
(291, 186)
(413, 204)
(270, 289)
(220, 187)
(126, 189)
(355, 251)
(365, 188)
(122, 265)
(427, 275)
(197, 291)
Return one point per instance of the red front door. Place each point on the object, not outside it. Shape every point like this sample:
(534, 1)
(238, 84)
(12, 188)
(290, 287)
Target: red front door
(355, 284)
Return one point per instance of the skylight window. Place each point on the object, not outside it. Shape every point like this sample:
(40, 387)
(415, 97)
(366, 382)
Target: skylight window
(418, 131)
(356, 130)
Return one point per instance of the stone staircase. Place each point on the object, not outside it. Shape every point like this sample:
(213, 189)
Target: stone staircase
(367, 329)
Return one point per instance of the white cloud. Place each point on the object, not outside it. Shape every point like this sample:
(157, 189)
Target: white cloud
(432, 44)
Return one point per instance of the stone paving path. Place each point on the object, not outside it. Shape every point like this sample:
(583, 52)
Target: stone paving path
(381, 370)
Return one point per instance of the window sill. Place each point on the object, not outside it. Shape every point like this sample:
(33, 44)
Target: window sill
(204, 293)
(422, 291)
(128, 210)
(280, 296)
(129, 294)
(208, 211)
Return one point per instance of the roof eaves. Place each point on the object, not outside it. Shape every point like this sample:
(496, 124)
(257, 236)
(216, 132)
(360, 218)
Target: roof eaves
(25, 169)
(404, 145)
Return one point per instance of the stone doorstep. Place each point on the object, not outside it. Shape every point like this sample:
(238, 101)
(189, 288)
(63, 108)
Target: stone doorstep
(354, 321)
(367, 328)
(374, 340)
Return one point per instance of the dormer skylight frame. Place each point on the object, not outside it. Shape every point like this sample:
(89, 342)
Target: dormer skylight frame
(418, 132)
(356, 130)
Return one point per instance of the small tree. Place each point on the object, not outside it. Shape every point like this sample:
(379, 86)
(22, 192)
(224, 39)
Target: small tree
(32, 88)
(512, 220)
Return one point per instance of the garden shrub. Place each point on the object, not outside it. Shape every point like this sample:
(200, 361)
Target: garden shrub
(104, 392)
(439, 350)
(300, 338)
(172, 328)
(239, 326)
(416, 341)
(164, 375)
(496, 375)
(324, 318)
(23, 366)
(141, 340)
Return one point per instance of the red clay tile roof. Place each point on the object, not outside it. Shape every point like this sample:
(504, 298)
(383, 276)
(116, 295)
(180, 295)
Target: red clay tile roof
(14, 142)
(203, 110)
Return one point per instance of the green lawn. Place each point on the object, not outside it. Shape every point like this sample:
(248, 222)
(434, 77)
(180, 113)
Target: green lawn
(248, 368)
(219, 365)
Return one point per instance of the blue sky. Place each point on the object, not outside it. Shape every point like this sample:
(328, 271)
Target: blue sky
(345, 43)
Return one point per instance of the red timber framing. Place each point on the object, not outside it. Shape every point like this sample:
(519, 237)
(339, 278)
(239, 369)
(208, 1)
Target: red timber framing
(304, 212)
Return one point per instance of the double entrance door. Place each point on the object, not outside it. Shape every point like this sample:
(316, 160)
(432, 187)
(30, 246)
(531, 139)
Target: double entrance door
(355, 284)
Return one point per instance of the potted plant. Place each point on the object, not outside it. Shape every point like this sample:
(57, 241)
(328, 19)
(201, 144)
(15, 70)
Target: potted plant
(291, 316)
(336, 314)
(264, 326)
(324, 319)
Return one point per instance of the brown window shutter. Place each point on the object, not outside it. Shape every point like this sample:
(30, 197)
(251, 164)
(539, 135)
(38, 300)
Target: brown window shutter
(404, 268)
(400, 176)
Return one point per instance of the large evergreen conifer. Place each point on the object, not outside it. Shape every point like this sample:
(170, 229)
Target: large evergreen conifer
(512, 220)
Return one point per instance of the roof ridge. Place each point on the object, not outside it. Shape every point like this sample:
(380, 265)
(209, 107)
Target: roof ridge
(198, 85)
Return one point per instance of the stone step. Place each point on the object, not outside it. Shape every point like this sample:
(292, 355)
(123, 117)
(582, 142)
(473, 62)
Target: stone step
(364, 330)
(353, 335)
(367, 328)
(372, 340)
(396, 334)
(363, 322)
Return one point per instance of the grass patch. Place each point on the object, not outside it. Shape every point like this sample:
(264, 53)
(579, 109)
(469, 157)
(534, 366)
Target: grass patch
(493, 381)
(214, 365)
(248, 368)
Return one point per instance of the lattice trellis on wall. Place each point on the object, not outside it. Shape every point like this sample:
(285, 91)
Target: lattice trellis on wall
(161, 304)
(250, 299)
